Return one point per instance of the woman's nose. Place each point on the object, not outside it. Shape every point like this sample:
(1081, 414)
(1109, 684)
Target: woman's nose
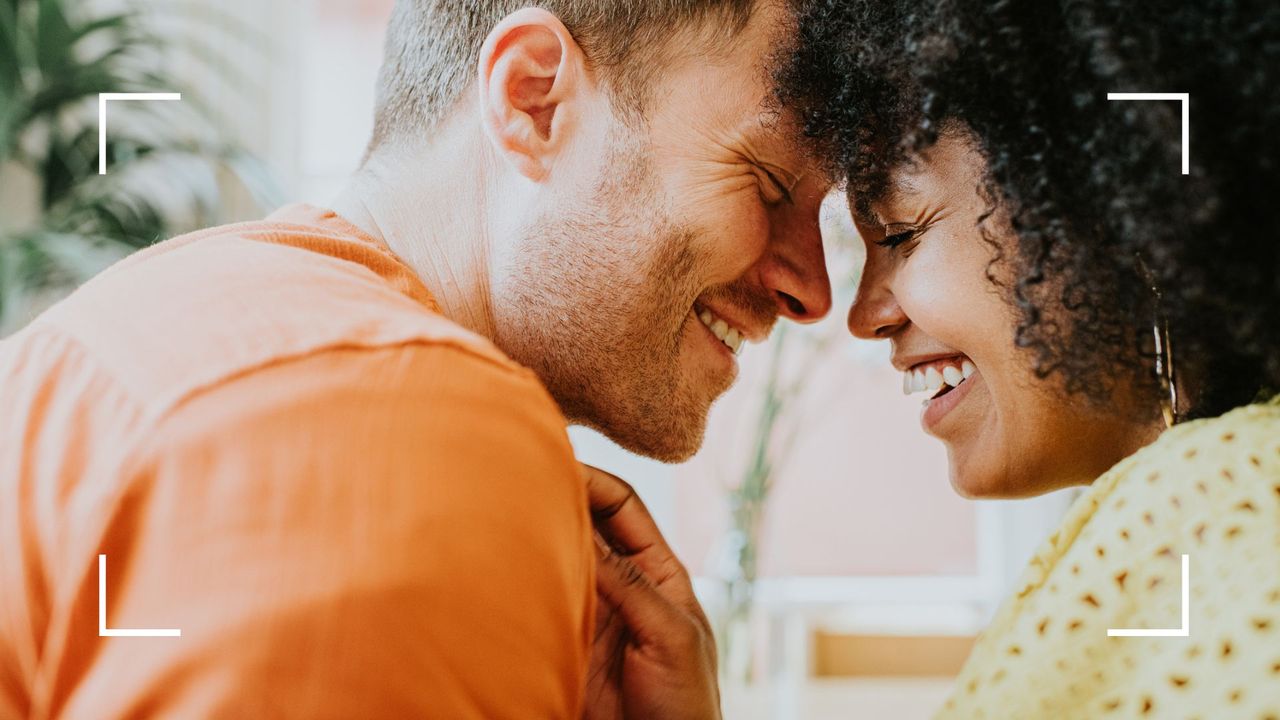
(875, 314)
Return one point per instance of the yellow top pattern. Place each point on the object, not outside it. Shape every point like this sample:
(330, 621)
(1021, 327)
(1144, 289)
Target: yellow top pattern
(1208, 489)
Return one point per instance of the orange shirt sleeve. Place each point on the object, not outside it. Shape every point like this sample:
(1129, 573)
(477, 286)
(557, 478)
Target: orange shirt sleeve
(390, 533)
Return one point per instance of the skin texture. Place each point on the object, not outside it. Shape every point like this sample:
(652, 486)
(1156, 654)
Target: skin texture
(581, 239)
(1012, 434)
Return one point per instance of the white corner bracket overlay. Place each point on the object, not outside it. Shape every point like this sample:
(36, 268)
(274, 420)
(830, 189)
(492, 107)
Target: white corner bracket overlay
(102, 118)
(1185, 99)
(103, 630)
(1185, 630)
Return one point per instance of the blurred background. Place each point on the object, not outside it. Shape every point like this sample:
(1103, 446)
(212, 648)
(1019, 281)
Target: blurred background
(840, 570)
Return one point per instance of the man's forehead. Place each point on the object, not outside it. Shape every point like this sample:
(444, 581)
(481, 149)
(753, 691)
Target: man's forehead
(766, 124)
(731, 96)
(732, 99)
(745, 61)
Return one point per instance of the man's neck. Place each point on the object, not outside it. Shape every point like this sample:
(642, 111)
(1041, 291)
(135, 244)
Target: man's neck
(429, 209)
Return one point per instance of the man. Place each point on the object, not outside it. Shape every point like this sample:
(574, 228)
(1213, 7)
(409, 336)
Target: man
(314, 444)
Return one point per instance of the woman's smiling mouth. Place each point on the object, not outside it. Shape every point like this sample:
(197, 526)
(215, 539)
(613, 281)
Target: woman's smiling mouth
(937, 377)
(946, 381)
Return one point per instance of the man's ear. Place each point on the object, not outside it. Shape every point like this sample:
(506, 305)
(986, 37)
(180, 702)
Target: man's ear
(530, 70)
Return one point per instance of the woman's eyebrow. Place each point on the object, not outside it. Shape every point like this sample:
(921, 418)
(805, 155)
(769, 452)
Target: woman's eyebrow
(898, 187)
(863, 214)
(902, 184)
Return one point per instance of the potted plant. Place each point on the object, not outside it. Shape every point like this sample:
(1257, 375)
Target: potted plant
(168, 162)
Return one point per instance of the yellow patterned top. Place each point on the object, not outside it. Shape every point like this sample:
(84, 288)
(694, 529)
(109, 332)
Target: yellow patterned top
(1208, 489)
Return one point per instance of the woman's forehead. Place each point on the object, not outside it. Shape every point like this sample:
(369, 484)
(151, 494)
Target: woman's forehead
(900, 187)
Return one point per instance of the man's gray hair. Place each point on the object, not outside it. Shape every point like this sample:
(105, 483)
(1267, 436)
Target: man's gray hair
(433, 47)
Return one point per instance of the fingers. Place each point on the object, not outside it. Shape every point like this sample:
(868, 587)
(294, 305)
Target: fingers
(620, 516)
(625, 524)
(653, 620)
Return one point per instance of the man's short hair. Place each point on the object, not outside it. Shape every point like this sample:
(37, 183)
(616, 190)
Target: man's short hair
(433, 47)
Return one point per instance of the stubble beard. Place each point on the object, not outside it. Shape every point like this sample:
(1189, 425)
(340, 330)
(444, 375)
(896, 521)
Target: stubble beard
(598, 304)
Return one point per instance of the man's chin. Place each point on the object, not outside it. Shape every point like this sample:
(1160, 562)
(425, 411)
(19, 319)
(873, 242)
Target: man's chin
(672, 453)
(664, 421)
(671, 442)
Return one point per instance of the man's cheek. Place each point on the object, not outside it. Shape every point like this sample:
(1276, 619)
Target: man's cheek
(735, 237)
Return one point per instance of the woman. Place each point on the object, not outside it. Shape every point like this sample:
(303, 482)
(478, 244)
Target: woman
(1076, 311)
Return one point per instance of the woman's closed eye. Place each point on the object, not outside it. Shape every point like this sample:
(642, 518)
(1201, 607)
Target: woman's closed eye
(897, 234)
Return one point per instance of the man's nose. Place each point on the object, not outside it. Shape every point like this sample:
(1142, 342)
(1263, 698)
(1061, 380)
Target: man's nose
(795, 267)
(876, 314)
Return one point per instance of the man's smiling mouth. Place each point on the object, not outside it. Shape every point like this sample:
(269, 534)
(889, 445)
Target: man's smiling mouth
(937, 377)
(724, 332)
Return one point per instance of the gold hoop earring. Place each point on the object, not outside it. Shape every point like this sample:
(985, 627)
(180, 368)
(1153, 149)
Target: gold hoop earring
(1165, 372)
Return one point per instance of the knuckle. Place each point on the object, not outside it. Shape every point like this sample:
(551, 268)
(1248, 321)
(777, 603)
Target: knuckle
(631, 574)
(606, 512)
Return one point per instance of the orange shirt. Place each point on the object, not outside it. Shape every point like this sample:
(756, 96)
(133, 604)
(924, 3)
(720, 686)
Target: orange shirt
(348, 505)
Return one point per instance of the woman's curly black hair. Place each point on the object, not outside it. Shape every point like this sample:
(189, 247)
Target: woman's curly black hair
(1093, 187)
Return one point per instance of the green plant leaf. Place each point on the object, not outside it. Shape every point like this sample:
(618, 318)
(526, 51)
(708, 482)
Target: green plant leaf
(10, 68)
(11, 105)
(53, 37)
(166, 162)
(120, 22)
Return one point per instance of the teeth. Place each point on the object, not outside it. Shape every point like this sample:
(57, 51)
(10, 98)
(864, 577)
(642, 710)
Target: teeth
(934, 378)
(952, 376)
(932, 381)
(731, 337)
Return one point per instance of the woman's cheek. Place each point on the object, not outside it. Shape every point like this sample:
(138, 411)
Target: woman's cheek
(940, 298)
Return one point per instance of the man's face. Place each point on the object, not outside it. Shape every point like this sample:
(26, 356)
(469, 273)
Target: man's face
(697, 230)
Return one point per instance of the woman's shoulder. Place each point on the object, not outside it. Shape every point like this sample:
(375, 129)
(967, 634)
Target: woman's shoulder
(1193, 476)
(1208, 491)
(1225, 456)
(1258, 422)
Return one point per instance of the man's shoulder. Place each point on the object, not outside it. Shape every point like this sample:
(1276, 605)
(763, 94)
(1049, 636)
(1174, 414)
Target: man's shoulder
(418, 400)
(198, 311)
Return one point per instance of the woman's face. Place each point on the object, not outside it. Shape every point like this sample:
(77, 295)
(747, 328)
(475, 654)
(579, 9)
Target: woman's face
(925, 288)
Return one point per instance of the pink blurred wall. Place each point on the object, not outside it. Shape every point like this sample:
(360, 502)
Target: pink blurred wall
(864, 492)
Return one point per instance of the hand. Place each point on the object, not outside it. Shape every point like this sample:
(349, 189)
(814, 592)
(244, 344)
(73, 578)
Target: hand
(654, 655)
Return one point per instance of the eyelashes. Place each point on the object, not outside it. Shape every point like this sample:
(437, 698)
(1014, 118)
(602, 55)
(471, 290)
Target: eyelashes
(896, 234)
